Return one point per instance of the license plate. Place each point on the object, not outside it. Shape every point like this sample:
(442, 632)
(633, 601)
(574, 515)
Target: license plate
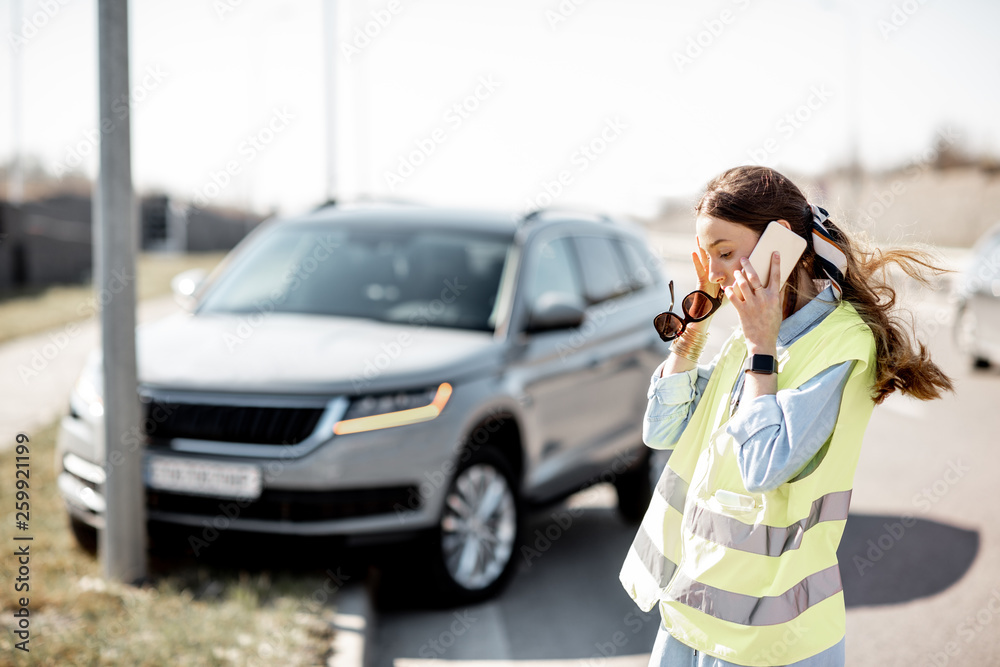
(204, 478)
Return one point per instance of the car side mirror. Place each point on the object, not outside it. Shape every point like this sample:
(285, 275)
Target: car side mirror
(185, 285)
(555, 310)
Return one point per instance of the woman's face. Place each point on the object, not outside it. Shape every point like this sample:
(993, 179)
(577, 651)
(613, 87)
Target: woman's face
(725, 243)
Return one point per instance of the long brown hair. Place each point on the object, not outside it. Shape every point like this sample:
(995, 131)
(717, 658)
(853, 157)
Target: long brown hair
(752, 196)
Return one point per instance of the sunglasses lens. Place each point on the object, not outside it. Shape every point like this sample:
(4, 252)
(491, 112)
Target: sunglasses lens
(668, 325)
(697, 305)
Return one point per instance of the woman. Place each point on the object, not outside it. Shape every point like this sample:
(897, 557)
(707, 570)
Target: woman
(738, 548)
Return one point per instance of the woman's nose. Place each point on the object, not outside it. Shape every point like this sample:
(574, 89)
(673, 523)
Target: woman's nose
(715, 275)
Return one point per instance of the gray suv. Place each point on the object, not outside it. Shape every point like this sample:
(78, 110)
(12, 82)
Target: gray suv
(375, 371)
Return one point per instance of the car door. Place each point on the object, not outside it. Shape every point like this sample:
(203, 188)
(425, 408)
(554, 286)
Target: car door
(547, 372)
(649, 296)
(573, 380)
(613, 341)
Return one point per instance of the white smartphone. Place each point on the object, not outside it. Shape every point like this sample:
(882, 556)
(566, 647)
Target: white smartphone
(776, 237)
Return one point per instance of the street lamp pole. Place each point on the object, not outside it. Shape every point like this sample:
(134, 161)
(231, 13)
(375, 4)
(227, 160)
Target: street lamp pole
(15, 175)
(122, 540)
(330, 76)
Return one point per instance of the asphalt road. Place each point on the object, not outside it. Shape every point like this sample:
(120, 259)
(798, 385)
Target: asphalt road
(920, 556)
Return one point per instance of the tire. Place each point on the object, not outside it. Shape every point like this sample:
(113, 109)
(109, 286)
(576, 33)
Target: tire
(84, 534)
(635, 489)
(980, 363)
(472, 549)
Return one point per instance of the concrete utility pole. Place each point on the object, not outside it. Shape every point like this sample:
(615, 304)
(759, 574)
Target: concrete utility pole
(122, 542)
(330, 56)
(15, 175)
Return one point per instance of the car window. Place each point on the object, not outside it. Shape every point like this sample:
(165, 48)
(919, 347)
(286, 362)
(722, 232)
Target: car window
(447, 278)
(985, 262)
(553, 269)
(601, 267)
(640, 263)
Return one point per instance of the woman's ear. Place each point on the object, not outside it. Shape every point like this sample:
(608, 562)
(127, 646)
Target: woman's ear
(785, 224)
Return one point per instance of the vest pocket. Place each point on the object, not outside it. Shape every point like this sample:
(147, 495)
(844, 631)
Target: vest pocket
(717, 481)
(734, 502)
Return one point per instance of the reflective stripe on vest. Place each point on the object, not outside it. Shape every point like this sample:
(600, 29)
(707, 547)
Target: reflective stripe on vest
(762, 539)
(672, 489)
(661, 568)
(749, 610)
(753, 538)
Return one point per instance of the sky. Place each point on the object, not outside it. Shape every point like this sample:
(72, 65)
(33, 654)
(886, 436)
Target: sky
(601, 104)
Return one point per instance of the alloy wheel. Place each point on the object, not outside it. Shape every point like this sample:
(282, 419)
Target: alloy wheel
(478, 527)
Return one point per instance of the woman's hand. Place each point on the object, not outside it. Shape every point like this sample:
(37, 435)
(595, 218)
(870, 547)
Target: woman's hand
(700, 260)
(676, 363)
(759, 308)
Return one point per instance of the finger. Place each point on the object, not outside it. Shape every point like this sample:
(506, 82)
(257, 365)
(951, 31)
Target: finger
(735, 291)
(741, 282)
(702, 252)
(751, 275)
(775, 271)
(698, 267)
(733, 294)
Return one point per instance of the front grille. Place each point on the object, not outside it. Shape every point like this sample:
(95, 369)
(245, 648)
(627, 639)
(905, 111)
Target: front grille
(294, 506)
(229, 423)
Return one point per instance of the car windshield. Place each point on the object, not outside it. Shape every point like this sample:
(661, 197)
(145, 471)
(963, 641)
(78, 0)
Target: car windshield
(435, 277)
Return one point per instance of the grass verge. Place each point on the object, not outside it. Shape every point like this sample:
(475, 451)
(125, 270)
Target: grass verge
(61, 304)
(189, 614)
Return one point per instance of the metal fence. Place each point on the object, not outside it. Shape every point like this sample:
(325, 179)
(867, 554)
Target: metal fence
(50, 241)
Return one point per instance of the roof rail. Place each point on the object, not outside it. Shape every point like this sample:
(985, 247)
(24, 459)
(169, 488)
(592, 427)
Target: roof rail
(362, 200)
(539, 212)
(328, 203)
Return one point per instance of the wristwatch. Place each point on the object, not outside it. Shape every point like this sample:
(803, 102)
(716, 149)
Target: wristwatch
(764, 364)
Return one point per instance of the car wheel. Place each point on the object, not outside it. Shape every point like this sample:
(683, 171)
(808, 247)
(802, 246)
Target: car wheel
(84, 534)
(635, 489)
(472, 548)
(980, 363)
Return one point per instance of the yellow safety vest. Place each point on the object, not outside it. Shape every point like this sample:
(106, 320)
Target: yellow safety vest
(753, 578)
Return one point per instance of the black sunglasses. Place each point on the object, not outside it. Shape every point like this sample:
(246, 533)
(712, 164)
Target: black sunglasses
(697, 306)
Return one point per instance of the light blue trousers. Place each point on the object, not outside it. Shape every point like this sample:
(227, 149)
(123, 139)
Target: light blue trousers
(668, 652)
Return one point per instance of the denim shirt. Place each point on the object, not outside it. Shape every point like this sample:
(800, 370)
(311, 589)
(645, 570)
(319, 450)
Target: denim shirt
(777, 434)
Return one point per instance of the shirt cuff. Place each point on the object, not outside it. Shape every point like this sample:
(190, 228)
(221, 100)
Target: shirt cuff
(673, 389)
(760, 413)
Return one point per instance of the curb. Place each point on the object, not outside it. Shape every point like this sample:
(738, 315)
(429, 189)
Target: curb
(354, 627)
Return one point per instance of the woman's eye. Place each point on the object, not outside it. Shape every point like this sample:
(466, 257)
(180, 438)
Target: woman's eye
(725, 255)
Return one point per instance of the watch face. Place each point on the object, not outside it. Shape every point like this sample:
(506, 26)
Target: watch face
(763, 363)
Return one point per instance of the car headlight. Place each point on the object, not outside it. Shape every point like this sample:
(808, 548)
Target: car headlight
(374, 412)
(88, 393)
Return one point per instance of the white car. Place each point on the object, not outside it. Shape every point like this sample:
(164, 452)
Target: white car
(977, 299)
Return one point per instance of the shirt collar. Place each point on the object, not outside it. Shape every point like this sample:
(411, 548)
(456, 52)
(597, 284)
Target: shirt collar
(793, 326)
